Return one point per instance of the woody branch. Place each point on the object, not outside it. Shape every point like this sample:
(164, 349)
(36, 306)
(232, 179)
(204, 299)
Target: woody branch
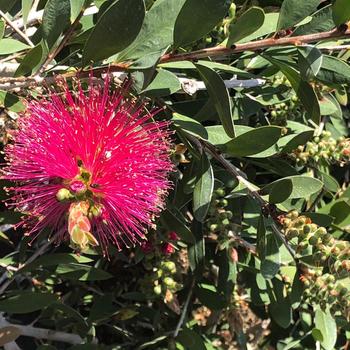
(10, 83)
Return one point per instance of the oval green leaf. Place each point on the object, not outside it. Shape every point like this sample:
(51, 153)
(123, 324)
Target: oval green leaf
(56, 19)
(156, 33)
(292, 187)
(165, 83)
(206, 14)
(115, 30)
(203, 189)
(253, 141)
(326, 324)
(8, 46)
(341, 11)
(25, 302)
(189, 125)
(219, 95)
(293, 11)
(247, 24)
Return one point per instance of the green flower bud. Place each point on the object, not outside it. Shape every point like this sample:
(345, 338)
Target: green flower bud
(220, 192)
(214, 227)
(224, 202)
(157, 289)
(226, 222)
(169, 282)
(169, 266)
(313, 240)
(63, 195)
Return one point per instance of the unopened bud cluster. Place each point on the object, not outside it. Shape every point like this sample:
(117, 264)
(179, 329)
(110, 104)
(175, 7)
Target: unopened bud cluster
(324, 149)
(326, 291)
(290, 109)
(311, 240)
(219, 221)
(320, 248)
(161, 277)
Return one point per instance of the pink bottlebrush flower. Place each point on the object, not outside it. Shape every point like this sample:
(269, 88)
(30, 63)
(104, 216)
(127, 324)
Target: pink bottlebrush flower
(91, 166)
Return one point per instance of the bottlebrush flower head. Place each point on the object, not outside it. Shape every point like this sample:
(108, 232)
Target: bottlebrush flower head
(91, 166)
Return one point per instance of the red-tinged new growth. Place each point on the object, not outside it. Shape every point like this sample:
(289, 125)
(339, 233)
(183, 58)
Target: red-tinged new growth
(91, 166)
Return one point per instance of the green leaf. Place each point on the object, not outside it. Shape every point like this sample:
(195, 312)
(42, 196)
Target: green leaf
(196, 252)
(7, 5)
(206, 14)
(292, 187)
(326, 324)
(341, 11)
(174, 221)
(115, 30)
(11, 102)
(227, 271)
(269, 26)
(189, 125)
(165, 83)
(261, 238)
(296, 140)
(293, 11)
(203, 189)
(253, 141)
(219, 95)
(334, 71)
(330, 183)
(25, 302)
(321, 21)
(248, 23)
(32, 60)
(304, 90)
(328, 106)
(55, 259)
(68, 310)
(26, 6)
(56, 19)
(2, 28)
(156, 33)
(217, 135)
(209, 296)
(310, 61)
(281, 312)
(191, 340)
(8, 46)
(76, 6)
(82, 272)
(271, 262)
(320, 219)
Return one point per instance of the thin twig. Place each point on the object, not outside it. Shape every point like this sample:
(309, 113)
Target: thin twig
(251, 189)
(184, 309)
(17, 30)
(220, 51)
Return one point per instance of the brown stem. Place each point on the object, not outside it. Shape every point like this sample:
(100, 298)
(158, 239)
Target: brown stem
(219, 51)
(266, 207)
(257, 45)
